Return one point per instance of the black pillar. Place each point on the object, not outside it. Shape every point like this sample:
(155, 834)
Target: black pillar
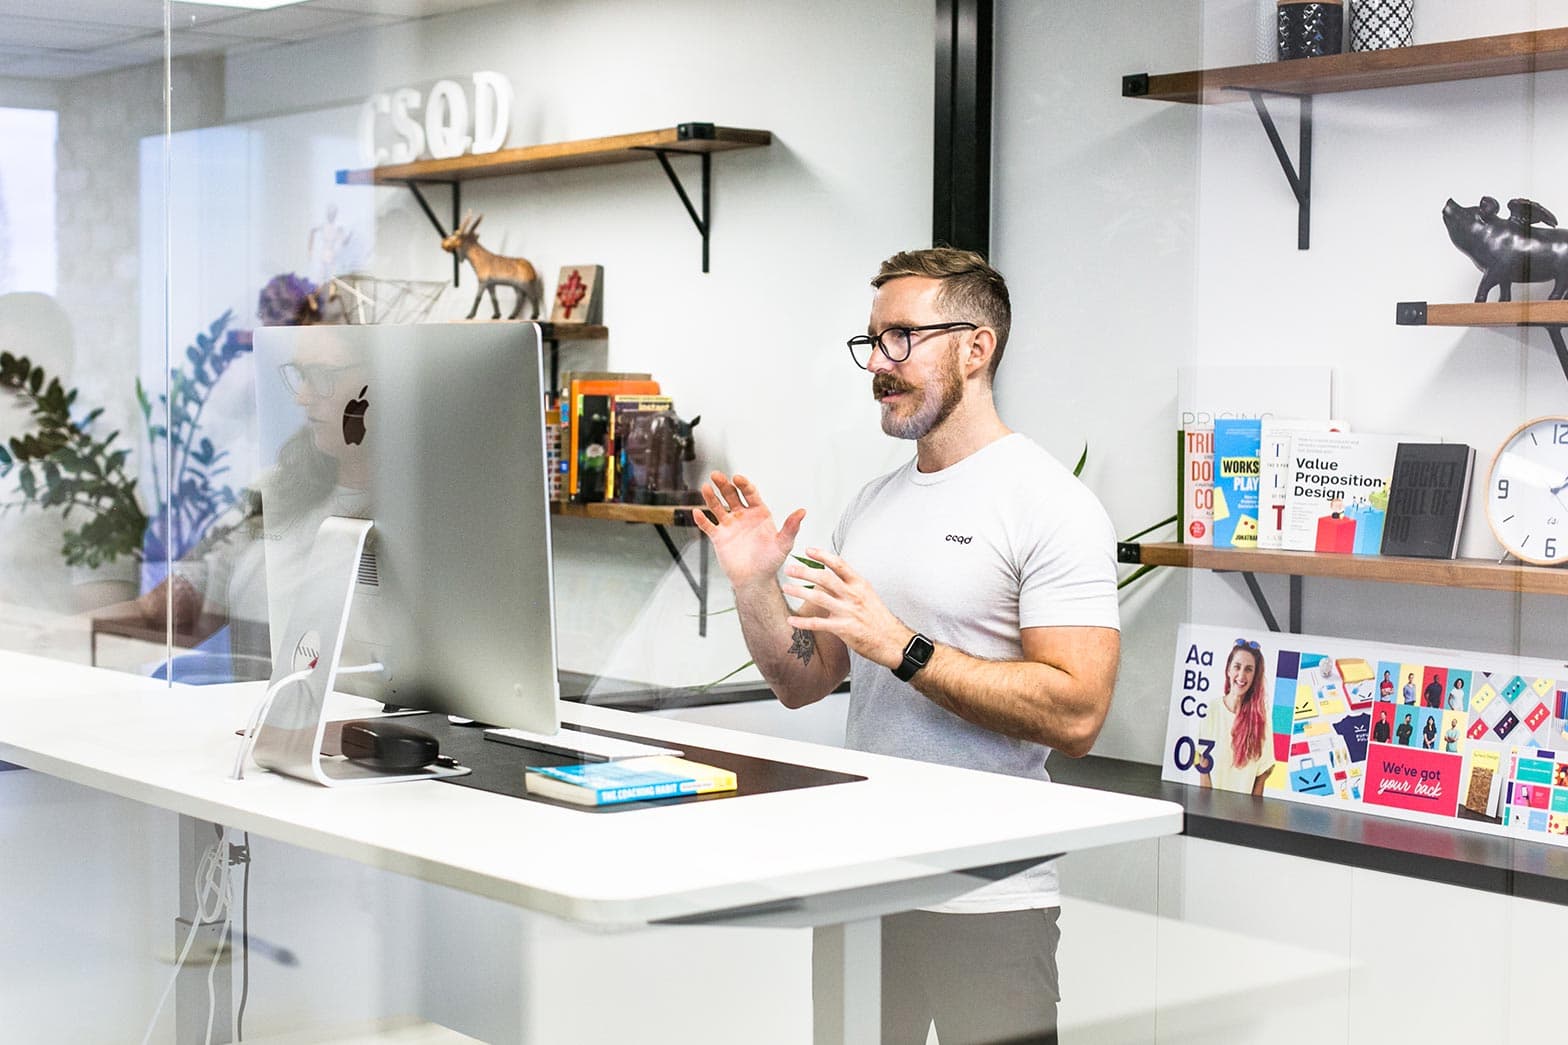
(961, 183)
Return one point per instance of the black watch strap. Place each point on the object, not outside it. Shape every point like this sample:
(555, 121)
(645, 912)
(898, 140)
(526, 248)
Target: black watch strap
(916, 655)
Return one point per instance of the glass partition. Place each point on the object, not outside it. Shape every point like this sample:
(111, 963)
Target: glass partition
(1330, 250)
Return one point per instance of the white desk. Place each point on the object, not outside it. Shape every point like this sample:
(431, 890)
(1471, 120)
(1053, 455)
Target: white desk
(822, 856)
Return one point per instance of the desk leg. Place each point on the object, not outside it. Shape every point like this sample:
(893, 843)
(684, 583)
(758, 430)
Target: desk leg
(846, 983)
(190, 989)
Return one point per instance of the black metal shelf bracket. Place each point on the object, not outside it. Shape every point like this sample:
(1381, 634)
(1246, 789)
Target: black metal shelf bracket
(1266, 609)
(1555, 332)
(699, 583)
(699, 220)
(1299, 174)
(457, 206)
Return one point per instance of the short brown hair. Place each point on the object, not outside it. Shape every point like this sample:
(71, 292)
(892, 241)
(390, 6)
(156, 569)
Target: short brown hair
(971, 289)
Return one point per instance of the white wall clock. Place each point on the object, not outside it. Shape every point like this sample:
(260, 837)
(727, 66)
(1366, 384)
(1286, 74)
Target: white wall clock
(1527, 492)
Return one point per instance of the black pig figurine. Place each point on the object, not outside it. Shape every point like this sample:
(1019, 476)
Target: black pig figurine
(1510, 250)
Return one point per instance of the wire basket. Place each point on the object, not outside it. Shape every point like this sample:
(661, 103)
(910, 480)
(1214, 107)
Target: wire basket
(366, 299)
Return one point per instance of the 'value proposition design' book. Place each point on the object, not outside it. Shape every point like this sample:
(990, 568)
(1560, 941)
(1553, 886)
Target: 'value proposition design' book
(1338, 495)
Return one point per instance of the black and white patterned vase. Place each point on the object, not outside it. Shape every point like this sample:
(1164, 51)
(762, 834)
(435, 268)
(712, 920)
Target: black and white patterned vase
(1310, 30)
(1376, 25)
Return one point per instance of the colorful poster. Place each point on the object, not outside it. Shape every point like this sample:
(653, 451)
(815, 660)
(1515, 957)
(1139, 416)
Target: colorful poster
(1453, 735)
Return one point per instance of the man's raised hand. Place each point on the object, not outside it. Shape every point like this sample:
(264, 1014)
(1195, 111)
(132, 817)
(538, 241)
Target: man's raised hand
(750, 549)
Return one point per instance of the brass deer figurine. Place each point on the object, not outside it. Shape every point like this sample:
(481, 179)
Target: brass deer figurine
(493, 270)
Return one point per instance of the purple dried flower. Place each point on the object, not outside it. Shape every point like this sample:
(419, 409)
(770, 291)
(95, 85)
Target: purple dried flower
(287, 300)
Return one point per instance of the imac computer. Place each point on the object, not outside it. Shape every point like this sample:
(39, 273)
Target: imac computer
(406, 530)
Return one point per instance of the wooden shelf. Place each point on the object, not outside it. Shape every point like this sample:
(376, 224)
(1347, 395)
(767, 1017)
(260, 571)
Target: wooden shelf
(655, 514)
(1505, 55)
(1479, 574)
(570, 331)
(688, 139)
(531, 159)
(1552, 316)
(1482, 314)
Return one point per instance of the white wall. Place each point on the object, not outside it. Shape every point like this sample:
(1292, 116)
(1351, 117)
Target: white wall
(755, 347)
(1140, 236)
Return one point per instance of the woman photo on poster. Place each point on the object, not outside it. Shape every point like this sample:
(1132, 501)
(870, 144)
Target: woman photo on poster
(1238, 724)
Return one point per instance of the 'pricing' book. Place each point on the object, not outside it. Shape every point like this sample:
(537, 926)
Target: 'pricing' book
(1209, 393)
(1427, 498)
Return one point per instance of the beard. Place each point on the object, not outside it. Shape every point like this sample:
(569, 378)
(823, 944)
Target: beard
(938, 398)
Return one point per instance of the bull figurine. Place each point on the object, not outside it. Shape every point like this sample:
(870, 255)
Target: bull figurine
(493, 270)
(653, 453)
(1525, 247)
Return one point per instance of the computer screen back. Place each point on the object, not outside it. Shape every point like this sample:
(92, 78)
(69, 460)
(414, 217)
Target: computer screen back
(435, 432)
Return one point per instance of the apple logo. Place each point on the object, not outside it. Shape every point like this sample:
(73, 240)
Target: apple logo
(354, 418)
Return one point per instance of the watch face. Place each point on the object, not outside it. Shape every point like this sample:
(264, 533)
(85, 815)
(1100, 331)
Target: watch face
(1527, 492)
(919, 649)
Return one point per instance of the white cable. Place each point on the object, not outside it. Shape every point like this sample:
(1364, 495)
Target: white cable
(217, 952)
(218, 894)
(253, 725)
(258, 716)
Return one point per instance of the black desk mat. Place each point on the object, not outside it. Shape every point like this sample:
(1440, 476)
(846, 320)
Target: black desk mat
(499, 768)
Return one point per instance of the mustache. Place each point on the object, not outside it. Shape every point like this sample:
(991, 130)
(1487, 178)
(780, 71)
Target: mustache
(886, 384)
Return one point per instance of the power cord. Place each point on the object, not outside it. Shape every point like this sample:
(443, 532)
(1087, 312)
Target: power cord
(239, 1012)
(213, 899)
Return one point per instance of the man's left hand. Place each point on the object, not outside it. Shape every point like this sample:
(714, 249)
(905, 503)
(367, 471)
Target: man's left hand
(845, 604)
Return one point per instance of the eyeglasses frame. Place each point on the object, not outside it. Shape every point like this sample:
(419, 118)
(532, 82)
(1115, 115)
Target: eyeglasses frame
(874, 341)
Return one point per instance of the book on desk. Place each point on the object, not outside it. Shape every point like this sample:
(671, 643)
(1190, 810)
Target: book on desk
(627, 780)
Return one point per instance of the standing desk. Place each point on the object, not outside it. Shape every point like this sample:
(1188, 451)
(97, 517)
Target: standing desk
(834, 858)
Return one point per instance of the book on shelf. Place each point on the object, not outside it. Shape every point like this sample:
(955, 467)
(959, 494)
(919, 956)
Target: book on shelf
(1209, 393)
(1427, 498)
(1338, 494)
(1274, 473)
(590, 432)
(620, 407)
(1236, 442)
(562, 409)
(627, 780)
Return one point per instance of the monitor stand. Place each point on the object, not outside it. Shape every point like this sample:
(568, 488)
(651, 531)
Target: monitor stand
(291, 733)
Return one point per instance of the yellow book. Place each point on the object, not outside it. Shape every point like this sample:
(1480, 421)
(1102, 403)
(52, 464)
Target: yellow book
(709, 778)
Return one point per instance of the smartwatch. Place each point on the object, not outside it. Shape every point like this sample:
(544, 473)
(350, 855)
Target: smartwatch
(916, 656)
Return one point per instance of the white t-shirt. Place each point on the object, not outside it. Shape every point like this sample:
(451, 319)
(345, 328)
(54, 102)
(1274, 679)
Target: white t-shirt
(1005, 539)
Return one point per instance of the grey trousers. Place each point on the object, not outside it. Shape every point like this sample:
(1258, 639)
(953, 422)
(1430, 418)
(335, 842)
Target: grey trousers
(983, 978)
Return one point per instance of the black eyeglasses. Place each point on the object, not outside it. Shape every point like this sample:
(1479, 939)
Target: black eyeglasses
(895, 342)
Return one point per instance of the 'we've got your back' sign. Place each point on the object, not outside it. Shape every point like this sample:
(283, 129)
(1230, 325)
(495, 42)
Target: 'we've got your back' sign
(1477, 738)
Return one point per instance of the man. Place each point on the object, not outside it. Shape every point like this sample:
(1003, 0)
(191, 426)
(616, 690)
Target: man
(1432, 696)
(1406, 728)
(971, 597)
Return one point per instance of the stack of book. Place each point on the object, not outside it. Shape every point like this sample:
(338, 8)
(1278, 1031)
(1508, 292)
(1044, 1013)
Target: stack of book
(1263, 465)
(627, 780)
(586, 458)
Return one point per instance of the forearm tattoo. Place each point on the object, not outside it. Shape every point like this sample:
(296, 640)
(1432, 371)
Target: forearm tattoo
(803, 645)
